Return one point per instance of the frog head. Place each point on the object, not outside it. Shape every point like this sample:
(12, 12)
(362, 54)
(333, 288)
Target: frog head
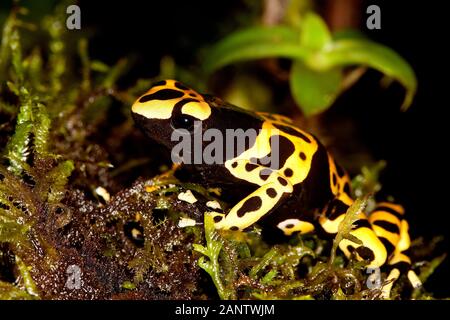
(170, 107)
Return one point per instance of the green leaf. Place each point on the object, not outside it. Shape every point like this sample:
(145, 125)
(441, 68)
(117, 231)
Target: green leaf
(12, 87)
(368, 181)
(41, 130)
(355, 51)
(83, 52)
(16, 55)
(314, 32)
(9, 291)
(57, 59)
(345, 227)
(212, 250)
(314, 91)
(128, 285)
(315, 47)
(255, 43)
(17, 147)
(114, 73)
(34, 66)
(264, 262)
(99, 66)
(295, 12)
(27, 279)
(430, 267)
(59, 177)
(11, 231)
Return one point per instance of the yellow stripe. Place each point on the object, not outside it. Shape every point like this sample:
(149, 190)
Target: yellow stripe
(414, 279)
(405, 241)
(398, 208)
(200, 110)
(393, 276)
(261, 148)
(331, 226)
(384, 216)
(302, 226)
(393, 238)
(399, 257)
(369, 240)
(155, 109)
(162, 109)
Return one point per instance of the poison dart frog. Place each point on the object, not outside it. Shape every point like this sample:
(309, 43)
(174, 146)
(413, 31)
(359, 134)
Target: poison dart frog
(304, 190)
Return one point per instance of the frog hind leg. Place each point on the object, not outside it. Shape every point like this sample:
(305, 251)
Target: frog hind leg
(388, 222)
(371, 249)
(399, 263)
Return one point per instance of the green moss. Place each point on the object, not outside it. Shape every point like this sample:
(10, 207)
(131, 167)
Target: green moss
(345, 227)
(214, 245)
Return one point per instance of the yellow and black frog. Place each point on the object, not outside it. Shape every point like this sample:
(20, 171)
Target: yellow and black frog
(294, 183)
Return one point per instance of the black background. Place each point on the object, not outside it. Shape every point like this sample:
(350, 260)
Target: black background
(167, 309)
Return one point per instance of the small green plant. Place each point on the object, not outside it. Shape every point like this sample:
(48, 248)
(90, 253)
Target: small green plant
(345, 227)
(272, 274)
(319, 59)
(214, 245)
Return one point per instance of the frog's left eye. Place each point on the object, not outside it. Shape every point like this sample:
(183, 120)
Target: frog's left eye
(183, 122)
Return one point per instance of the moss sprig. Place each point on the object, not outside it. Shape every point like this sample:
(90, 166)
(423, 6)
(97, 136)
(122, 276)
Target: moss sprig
(214, 245)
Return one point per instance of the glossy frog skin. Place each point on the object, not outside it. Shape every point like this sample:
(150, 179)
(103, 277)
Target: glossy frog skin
(305, 190)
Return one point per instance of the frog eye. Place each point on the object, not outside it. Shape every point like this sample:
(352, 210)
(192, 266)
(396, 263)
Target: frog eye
(183, 122)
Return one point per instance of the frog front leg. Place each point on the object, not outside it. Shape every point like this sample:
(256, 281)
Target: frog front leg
(273, 189)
